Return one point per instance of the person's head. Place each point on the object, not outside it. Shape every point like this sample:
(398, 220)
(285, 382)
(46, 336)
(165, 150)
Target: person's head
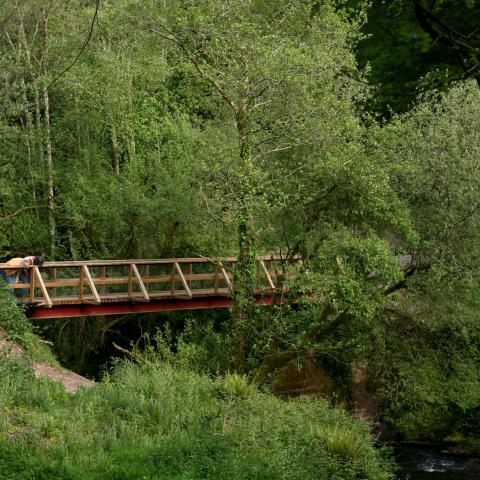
(38, 260)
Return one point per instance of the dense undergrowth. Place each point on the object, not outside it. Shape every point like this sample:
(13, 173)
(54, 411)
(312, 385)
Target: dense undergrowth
(159, 422)
(426, 370)
(15, 329)
(158, 419)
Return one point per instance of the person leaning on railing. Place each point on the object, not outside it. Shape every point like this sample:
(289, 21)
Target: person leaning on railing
(18, 273)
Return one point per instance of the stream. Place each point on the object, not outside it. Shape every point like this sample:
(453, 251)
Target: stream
(430, 464)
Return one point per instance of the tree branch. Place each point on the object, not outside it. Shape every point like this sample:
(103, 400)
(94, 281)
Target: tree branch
(133, 355)
(403, 282)
(20, 210)
(172, 37)
(82, 49)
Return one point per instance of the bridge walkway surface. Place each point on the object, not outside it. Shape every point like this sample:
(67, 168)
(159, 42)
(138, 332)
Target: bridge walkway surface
(112, 287)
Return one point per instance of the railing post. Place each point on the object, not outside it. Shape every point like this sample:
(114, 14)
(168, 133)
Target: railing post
(182, 279)
(227, 279)
(53, 276)
(190, 273)
(216, 279)
(46, 296)
(267, 274)
(80, 284)
(172, 286)
(140, 282)
(147, 274)
(86, 271)
(32, 285)
(103, 274)
(130, 279)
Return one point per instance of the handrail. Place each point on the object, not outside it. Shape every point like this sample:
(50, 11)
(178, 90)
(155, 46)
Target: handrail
(100, 281)
(151, 261)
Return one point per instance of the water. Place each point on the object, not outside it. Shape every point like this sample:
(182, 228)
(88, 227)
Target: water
(430, 464)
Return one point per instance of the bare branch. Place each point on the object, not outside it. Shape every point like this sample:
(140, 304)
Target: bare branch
(20, 210)
(403, 282)
(133, 355)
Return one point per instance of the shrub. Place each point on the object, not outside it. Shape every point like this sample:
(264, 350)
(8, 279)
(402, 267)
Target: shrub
(13, 322)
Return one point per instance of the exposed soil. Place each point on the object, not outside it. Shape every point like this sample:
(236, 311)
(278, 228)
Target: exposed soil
(70, 380)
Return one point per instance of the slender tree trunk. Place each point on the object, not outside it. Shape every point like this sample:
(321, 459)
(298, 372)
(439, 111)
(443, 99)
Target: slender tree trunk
(30, 143)
(78, 129)
(38, 126)
(48, 141)
(36, 130)
(28, 126)
(115, 149)
(22, 51)
(129, 138)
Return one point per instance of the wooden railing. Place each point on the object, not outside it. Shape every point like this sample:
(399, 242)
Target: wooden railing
(101, 281)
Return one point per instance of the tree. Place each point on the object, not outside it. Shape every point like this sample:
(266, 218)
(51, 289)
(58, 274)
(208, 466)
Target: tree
(414, 46)
(279, 71)
(453, 23)
(432, 155)
(427, 366)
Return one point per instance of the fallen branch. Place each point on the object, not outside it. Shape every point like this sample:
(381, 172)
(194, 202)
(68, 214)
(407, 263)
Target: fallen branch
(135, 356)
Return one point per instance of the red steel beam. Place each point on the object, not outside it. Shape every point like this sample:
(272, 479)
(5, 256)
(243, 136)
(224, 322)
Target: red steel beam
(122, 308)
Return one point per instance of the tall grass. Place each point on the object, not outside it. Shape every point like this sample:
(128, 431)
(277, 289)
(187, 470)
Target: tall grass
(161, 422)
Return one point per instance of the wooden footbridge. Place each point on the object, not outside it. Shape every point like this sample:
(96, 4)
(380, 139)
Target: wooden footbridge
(112, 287)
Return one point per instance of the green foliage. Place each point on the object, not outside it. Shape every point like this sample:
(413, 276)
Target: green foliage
(343, 442)
(158, 422)
(416, 46)
(426, 359)
(17, 331)
(427, 368)
(274, 110)
(237, 385)
(125, 183)
(13, 323)
(205, 348)
(432, 155)
(218, 128)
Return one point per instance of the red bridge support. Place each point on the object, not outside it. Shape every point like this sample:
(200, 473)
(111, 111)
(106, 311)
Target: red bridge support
(167, 305)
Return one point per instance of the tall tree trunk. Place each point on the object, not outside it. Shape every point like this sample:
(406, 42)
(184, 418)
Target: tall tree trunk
(129, 138)
(23, 49)
(115, 149)
(36, 130)
(246, 268)
(48, 141)
(30, 143)
(38, 126)
(78, 129)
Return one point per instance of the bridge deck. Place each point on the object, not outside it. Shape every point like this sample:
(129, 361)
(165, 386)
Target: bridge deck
(107, 287)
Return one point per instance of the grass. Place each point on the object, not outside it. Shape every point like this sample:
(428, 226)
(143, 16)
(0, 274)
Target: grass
(160, 422)
(342, 441)
(157, 421)
(238, 385)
